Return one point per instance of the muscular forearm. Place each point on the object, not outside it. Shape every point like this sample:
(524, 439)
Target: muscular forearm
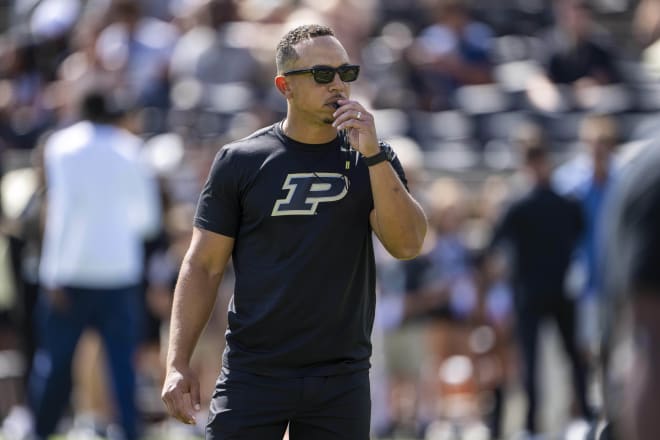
(398, 220)
(194, 299)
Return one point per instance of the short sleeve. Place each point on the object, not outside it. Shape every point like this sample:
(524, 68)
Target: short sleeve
(394, 160)
(218, 207)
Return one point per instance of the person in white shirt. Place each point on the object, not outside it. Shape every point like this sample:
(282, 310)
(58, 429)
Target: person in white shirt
(102, 204)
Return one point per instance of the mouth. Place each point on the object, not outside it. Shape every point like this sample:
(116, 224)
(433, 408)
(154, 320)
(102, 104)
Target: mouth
(334, 104)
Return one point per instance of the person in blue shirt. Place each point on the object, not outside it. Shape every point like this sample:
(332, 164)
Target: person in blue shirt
(589, 179)
(452, 52)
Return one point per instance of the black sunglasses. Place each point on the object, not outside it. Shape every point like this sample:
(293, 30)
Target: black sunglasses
(325, 74)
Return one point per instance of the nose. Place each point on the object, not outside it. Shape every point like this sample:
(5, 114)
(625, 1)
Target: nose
(336, 83)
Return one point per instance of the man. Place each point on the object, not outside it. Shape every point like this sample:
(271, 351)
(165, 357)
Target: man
(543, 230)
(632, 285)
(294, 204)
(102, 204)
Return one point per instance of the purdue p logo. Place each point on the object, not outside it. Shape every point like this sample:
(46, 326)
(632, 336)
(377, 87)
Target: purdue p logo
(307, 190)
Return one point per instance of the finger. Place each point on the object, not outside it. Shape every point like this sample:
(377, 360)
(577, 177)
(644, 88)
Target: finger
(353, 110)
(353, 123)
(194, 394)
(187, 411)
(344, 113)
(347, 107)
(345, 102)
(178, 406)
(353, 116)
(173, 408)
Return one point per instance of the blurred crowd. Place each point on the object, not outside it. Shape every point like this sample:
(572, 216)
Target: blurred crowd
(466, 92)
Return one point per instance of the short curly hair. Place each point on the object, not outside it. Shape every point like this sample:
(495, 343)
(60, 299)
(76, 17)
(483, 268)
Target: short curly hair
(286, 53)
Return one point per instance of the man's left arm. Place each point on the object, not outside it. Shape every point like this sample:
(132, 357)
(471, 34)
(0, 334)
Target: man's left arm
(397, 219)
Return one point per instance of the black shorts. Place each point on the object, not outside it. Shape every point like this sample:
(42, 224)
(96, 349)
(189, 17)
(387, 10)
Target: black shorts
(251, 407)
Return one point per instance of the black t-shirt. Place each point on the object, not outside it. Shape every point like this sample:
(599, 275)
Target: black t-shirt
(566, 61)
(304, 296)
(543, 229)
(587, 59)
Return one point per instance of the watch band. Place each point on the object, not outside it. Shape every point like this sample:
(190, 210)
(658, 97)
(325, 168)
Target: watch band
(381, 156)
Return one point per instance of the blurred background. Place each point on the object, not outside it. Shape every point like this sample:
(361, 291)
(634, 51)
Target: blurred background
(459, 88)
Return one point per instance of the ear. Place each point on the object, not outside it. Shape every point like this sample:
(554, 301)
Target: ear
(283, 85)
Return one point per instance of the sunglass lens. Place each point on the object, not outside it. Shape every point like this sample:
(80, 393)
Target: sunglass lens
(349, 74)
(324, 75)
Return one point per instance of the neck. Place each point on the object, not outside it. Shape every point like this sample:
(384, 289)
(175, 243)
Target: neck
(308, 133)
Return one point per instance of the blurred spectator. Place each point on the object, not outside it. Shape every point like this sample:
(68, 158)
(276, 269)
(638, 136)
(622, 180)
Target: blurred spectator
(411, 13)
(484, 312)
(577, 59)
(214, 74)
(51, 24)
(24, 115)
(160, 9)
(23, 204)
(163, 258)
(137, 49)
(207, 51)
(353, 20)
(397, 329)
(27, 244)
(589, 178)
(387, 69)
(632, 283)
(91, 266)
(430, 282)
(542, 230)
(452, 52)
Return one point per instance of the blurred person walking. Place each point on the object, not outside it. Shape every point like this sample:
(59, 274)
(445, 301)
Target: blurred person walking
(543, 230)
(294, 205)
(102, 204)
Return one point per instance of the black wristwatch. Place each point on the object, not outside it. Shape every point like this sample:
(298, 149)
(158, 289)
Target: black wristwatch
(381, 156)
